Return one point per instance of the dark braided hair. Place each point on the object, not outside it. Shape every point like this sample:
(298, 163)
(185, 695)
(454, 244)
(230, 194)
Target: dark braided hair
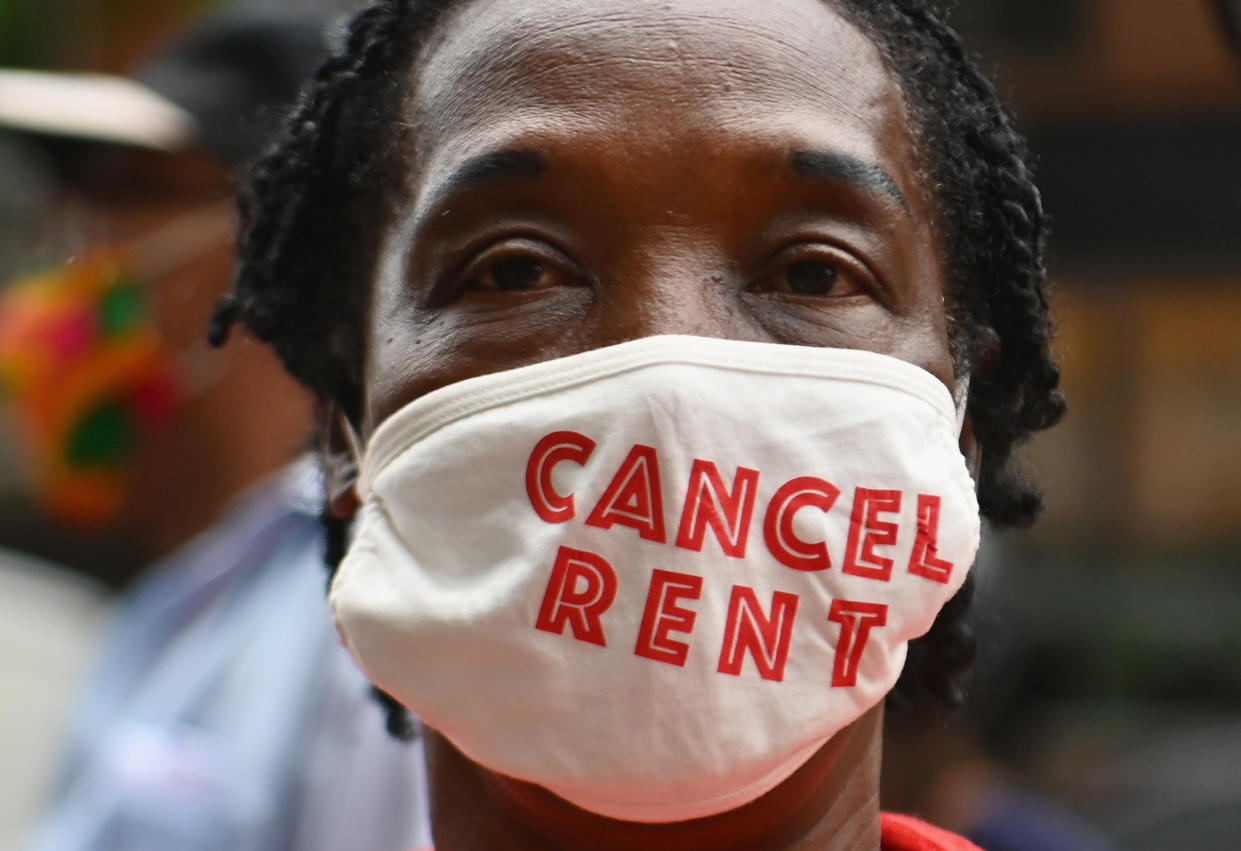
(311, 206)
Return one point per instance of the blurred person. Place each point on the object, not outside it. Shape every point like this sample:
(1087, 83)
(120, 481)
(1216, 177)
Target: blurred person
(665, 355)
(221, 713)
(116, 401)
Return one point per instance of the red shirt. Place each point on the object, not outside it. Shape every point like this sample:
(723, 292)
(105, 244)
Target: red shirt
(905, 833)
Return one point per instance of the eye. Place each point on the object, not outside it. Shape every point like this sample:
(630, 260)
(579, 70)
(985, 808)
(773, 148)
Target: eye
(817, 271)
(811, 277)
(518, 265)
(515, 273)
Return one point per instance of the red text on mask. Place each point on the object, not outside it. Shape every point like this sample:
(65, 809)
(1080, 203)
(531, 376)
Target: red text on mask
(582, 585)
(712, 503)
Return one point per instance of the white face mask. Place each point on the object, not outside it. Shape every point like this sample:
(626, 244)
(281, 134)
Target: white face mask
(655, 578)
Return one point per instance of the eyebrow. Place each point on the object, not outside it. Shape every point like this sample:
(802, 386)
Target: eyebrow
(848, 169)
(829, 165)
(494, 165)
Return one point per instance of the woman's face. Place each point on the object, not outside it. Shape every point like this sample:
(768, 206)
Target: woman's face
(587, 174)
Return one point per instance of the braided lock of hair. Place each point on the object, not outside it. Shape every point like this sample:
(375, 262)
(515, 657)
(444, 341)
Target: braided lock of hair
(993, 228)
(300, 271)
(999, 279)
(310, 207)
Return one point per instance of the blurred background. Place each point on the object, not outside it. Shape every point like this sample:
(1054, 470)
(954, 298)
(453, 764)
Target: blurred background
(1110, 669)
(1108, 688)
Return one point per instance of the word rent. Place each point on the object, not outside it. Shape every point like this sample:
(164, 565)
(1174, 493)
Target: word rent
(583, 584)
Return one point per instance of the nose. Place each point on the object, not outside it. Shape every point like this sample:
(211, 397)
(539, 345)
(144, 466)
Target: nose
(691, 298)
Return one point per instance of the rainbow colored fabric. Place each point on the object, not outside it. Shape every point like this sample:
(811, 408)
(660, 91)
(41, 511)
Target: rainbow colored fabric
(87, 376)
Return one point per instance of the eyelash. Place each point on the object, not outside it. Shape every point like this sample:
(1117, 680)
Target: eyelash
(843, 264)
(548, 261)
(509, 250)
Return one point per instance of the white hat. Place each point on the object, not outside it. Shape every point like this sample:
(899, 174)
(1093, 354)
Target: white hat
(94, 106)
(221, 86)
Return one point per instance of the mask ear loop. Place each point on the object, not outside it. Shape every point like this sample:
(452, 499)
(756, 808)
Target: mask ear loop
(960, 400)
(352, 438)
(355, 452)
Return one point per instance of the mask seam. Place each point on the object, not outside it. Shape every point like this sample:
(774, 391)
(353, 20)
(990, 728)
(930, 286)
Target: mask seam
(410, 424)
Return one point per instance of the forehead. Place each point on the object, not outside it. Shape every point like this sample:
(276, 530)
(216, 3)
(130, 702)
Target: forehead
(505, 69)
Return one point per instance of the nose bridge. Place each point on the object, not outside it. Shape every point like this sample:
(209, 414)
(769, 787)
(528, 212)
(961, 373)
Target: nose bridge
(669, 292)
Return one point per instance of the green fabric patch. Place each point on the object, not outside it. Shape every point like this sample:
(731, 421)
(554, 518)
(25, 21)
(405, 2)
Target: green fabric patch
(121, 310)
(104, 437)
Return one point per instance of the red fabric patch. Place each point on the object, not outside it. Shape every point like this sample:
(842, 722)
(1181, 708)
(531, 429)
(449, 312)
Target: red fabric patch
(905, 833)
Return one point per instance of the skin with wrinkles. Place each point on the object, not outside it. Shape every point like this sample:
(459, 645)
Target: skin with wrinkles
(692, 204)
(659, 195)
